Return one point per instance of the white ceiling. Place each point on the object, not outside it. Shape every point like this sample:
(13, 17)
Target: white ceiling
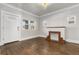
(38, 9)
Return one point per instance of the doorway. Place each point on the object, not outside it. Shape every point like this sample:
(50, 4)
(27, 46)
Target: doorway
(10, 27)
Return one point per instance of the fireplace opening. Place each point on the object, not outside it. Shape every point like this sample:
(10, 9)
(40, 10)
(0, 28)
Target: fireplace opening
(55, 36)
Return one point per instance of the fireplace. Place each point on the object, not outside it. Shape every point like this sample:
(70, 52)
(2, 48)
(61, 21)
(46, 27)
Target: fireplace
(56, 34)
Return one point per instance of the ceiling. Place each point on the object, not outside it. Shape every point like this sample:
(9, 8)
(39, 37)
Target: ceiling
(39, 10)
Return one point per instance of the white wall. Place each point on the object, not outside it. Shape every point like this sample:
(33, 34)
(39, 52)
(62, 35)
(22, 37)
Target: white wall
(24, 34)
(60, 19)
(54, 19)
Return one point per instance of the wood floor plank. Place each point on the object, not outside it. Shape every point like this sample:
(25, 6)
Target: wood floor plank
(39, 46)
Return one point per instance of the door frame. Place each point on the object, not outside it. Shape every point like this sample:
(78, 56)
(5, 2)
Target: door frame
(3, 12)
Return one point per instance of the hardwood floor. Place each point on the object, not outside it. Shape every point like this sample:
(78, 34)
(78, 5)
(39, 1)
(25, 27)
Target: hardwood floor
(39, 46)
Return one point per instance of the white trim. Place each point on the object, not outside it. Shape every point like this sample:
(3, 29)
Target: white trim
(68, 40)
(19, 9)
(42, 36)
(27, 38)
(2, 13)
(60, 10)
(73, 41)
(42, 15)
(1, 44)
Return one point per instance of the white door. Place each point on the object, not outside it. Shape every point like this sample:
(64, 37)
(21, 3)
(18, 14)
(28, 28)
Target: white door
(10, 28)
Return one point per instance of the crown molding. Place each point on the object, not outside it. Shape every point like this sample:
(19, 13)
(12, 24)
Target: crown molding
(19, 9)
(61, 10)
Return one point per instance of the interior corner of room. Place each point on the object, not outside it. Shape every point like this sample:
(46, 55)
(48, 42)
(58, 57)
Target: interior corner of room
(22, 21)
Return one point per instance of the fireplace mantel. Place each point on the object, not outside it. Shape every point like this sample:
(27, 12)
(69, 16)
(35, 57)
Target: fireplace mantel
(60, 29)
(59, 40)
(56, 27)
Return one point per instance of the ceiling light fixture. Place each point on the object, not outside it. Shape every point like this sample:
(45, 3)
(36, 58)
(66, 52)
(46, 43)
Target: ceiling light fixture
(45, 4)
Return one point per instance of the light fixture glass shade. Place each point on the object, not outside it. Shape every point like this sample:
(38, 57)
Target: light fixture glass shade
(45, 5)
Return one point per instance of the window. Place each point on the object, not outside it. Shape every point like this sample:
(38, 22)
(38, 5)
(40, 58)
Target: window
(32, 25)
(26, 24)
(29, 24)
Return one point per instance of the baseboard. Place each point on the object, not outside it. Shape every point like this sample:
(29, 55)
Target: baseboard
(42, 36)
(23, 39)
(1, 44)
(29, 37)
(68, 40)
(73, 41)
